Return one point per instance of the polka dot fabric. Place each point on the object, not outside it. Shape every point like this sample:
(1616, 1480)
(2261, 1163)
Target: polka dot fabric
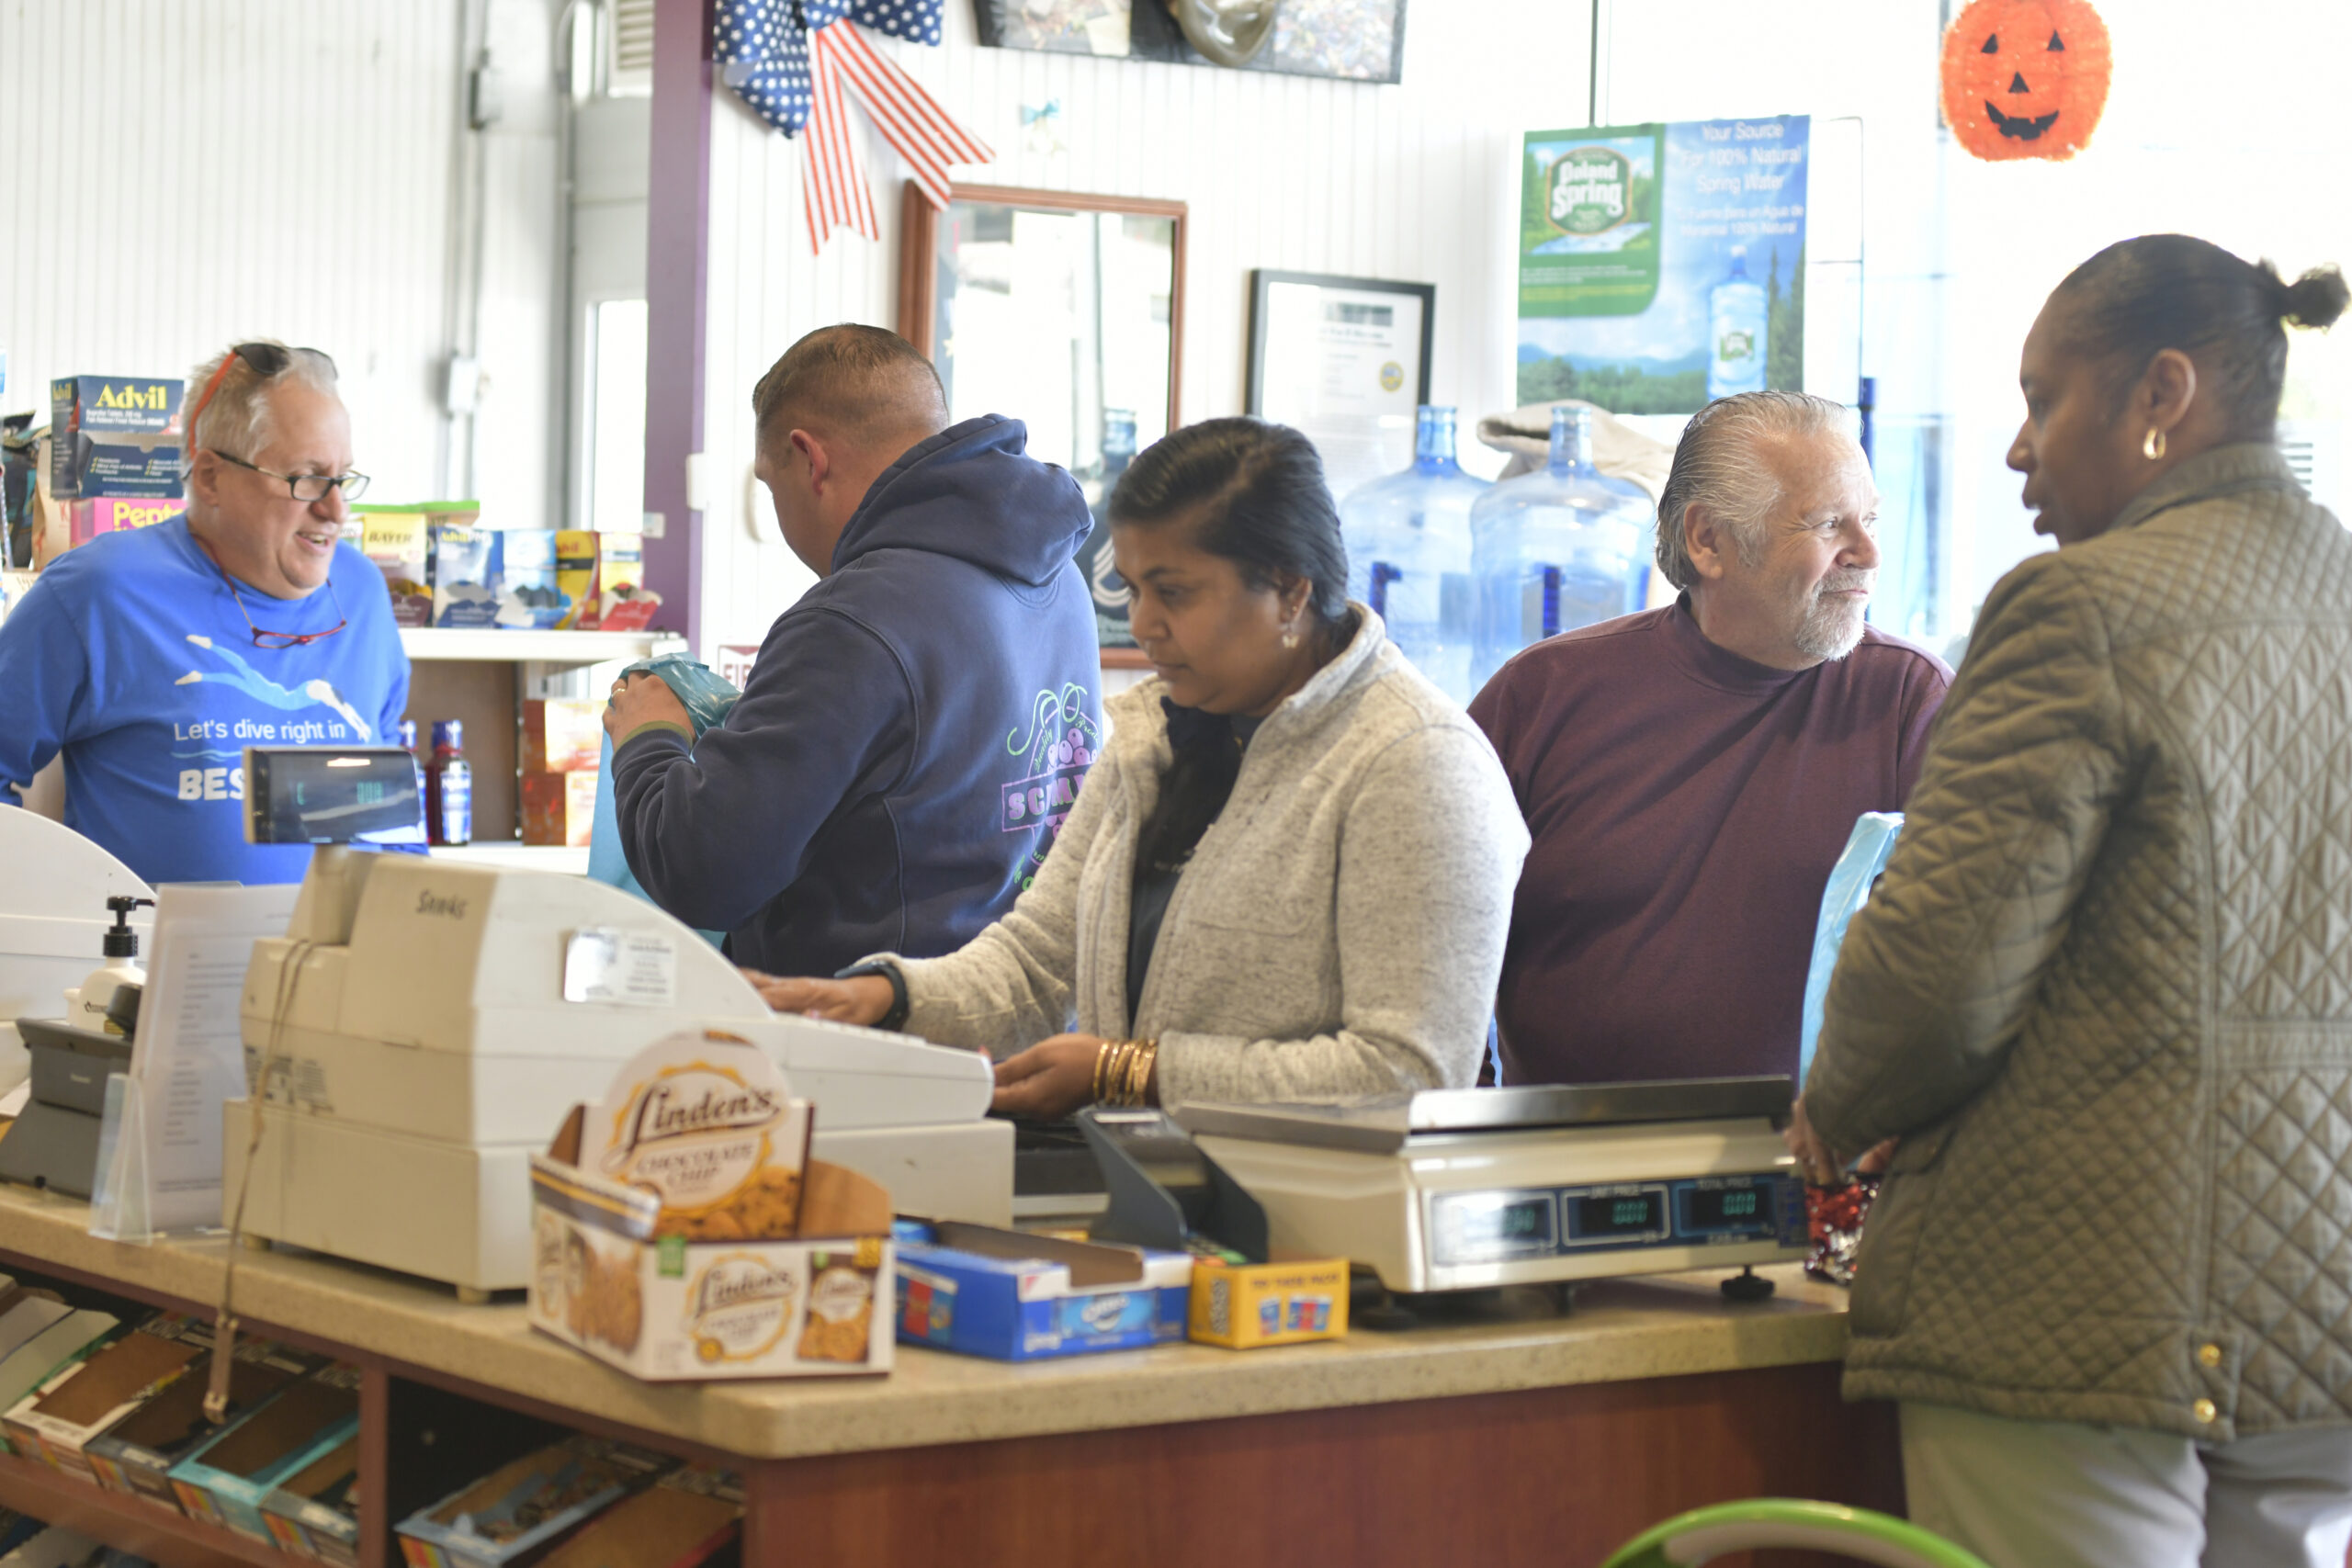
(766, 43)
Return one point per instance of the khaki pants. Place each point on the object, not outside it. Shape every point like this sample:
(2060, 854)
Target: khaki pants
(2053, 1494)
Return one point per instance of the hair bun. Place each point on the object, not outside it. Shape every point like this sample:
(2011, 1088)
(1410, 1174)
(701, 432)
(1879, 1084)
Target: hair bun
(2316, 299)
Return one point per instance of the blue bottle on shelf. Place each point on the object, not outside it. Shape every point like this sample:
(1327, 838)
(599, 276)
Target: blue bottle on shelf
(1409, 553)
(1561, 548)
(449, 786)
(1737, 323)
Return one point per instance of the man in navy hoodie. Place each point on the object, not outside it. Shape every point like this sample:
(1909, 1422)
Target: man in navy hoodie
(916, 727)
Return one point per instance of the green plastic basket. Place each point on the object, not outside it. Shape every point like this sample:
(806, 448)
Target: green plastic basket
(1705, 1534)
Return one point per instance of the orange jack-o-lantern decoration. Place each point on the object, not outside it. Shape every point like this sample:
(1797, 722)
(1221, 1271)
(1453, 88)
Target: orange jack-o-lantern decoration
(2026, 78)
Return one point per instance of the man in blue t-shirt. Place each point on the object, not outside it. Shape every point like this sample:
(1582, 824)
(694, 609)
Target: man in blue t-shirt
(152, 658)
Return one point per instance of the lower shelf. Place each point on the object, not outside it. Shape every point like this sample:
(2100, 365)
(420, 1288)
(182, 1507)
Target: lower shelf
(135, 1525)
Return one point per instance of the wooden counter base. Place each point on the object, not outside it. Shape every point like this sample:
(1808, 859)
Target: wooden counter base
(1546, 1441)
(1557, 1477)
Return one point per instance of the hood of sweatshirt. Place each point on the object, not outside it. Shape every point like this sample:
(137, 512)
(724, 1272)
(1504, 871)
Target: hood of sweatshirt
(972, 491)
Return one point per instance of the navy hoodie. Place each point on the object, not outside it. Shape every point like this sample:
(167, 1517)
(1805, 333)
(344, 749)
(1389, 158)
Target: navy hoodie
(909, 738)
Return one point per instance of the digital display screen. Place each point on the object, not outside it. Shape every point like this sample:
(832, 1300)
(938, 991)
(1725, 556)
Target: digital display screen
(1486, 1226)
(1630, 1213)
(332, 795)
(1714, 1208)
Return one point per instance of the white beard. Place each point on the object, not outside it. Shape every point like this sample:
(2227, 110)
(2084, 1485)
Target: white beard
(1829, 629)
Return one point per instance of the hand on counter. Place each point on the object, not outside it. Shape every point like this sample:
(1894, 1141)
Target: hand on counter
(862, 1001)
(1817, 1163)
(1050, 1079)
(644, 699)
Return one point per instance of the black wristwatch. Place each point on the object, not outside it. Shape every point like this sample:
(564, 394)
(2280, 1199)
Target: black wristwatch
(897, 1017)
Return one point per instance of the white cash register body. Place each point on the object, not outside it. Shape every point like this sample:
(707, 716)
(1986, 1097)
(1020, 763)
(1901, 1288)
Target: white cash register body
(429, 1025)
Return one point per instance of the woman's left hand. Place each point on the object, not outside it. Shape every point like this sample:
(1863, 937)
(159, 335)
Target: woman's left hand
(1048, 1080)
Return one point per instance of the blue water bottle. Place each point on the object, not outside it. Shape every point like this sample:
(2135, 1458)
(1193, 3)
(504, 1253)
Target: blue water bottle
(1561, 548)
(1737, 322)
(1409, 553)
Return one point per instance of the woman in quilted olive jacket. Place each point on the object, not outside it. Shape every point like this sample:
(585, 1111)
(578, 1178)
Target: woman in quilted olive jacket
(2104, 992)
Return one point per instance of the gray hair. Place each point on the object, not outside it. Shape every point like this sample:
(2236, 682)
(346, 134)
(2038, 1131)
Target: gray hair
(237, 421)
(1717, 465)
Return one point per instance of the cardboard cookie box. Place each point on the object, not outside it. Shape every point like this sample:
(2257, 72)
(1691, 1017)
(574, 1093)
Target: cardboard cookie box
(685, 1520)
(48, 1338)
(507, 1517)
(226, 1480)
(78, 1403)
(681, 1232)
(1019, 1297)
(136, 1454)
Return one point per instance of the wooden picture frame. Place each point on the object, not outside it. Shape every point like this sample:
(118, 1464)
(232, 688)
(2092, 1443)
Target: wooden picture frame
(919, 285)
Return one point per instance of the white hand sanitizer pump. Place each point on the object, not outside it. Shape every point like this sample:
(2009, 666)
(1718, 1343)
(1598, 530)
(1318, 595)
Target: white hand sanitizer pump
(86, 1004)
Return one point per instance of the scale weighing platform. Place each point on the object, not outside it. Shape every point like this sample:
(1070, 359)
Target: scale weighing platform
(1452, 1189)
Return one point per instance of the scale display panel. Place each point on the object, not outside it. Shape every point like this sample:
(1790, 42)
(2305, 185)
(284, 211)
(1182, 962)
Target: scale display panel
(1523, 1224)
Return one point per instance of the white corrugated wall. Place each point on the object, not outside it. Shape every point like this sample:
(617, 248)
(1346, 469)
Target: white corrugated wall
(183, 174)
(1413, 182)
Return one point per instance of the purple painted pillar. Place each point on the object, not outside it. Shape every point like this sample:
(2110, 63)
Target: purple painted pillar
(676, 279)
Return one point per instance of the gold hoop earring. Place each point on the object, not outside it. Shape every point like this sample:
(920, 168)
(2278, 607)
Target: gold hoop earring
(2154, 446)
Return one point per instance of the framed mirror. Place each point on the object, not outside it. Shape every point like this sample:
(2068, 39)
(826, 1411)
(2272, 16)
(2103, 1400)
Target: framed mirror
(1061, 310)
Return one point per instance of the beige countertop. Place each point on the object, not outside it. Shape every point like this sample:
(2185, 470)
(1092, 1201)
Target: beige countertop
(1621, 1331)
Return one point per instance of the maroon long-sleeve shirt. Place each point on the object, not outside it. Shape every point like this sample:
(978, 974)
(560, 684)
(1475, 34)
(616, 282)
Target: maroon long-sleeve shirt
(1686, 806)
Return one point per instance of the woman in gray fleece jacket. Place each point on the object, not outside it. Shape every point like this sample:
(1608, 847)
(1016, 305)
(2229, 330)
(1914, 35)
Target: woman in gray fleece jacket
(1289, 874)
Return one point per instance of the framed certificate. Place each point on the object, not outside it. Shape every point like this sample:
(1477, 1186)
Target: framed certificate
(1345, 360)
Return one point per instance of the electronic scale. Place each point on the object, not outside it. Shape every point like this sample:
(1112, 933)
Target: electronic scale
(428, 1025)
(1452, 1189)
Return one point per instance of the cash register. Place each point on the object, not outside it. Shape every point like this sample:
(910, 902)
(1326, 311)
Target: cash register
(425, 1025)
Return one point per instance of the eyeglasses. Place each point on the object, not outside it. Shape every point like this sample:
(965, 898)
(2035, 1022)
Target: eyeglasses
(286, 640)
(305, 487)
(268, 361)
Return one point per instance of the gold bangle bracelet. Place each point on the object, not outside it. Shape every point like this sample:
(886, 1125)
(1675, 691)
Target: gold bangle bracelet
(1101, 1062)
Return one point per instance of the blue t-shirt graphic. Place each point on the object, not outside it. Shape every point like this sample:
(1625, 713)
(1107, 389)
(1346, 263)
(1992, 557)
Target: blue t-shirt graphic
(130, 654)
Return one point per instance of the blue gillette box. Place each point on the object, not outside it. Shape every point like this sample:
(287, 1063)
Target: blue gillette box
(1017, 1297)
(225, 1481)
(465, 571)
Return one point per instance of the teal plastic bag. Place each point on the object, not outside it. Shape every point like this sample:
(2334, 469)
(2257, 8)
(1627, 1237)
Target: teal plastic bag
(707, 699)
(1850, 880)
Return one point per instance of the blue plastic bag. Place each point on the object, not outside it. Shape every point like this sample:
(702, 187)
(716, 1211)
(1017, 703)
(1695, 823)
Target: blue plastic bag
(1850, 880)
(707, 699)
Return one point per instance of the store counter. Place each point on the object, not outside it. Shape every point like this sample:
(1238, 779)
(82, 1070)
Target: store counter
(1539, 1441)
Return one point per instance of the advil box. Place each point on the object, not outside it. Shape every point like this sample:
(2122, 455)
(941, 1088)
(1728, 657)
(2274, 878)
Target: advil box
(1019, 1297)
(101, 406)
(680, 1233)
(141, 467)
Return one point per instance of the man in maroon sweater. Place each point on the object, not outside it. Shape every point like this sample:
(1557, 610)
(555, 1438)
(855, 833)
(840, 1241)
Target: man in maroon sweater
(1690, 774)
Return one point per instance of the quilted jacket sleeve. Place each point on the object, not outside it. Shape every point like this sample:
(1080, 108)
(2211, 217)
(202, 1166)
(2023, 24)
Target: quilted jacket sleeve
(1940, 968)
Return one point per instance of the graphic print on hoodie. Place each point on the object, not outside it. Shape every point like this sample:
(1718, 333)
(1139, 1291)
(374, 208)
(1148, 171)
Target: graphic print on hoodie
(910, 737)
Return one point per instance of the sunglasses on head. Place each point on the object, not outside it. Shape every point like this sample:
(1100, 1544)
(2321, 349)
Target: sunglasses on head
(267, 360)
